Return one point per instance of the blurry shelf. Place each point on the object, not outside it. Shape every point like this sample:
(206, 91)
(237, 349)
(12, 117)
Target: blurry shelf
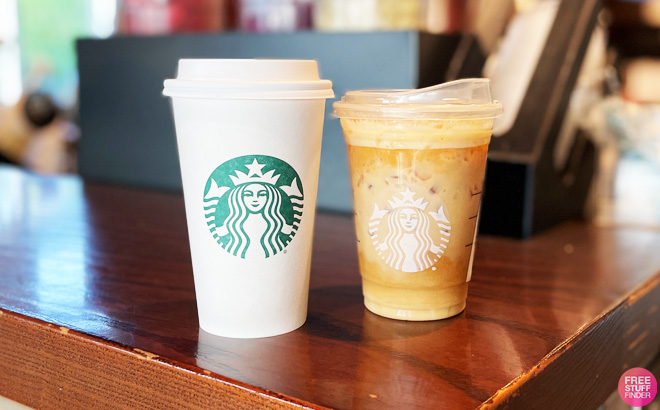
(635, 41)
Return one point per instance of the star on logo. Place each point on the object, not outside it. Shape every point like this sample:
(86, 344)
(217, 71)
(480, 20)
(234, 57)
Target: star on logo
(408, 195)
(255, 168)
(408, 200)
(254, 175)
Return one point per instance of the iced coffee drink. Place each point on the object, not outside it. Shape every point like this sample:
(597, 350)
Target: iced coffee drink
(417, 163)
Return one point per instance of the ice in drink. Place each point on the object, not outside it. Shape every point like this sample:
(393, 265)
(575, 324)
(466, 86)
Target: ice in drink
(417, 162)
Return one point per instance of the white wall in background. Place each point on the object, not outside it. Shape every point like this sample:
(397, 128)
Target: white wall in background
(103, 16)
(10, 57)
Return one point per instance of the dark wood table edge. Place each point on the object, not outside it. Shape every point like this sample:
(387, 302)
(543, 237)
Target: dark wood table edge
(55, 345)
(600, 341)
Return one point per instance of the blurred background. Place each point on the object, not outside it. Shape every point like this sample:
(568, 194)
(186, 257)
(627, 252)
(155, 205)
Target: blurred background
(52, 52)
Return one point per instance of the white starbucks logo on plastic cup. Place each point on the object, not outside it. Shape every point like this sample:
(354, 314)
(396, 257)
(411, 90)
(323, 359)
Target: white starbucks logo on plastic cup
(403, 235)
(253, 205)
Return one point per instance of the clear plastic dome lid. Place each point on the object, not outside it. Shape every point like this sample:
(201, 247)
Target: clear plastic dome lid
(468, 98)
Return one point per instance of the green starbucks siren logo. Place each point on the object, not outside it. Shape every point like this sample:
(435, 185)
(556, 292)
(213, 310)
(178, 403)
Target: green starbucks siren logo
(253, 205)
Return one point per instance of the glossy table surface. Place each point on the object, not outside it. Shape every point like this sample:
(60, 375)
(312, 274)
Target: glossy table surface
(551, 322)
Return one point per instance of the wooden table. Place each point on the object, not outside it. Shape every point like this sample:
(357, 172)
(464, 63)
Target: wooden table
(97, 310)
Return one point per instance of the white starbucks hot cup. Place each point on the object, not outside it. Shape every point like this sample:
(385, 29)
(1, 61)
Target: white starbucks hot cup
(249, 140)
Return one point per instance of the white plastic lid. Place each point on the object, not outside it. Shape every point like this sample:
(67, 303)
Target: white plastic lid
(248, 79)
(460, 99)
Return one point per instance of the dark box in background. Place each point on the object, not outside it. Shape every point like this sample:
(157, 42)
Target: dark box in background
(127, 126)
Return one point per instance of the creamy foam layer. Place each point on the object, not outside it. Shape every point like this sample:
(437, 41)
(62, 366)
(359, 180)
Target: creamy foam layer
(417, 134)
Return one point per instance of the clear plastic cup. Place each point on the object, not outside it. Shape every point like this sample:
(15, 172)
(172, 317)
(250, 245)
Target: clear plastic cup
(417, 161)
